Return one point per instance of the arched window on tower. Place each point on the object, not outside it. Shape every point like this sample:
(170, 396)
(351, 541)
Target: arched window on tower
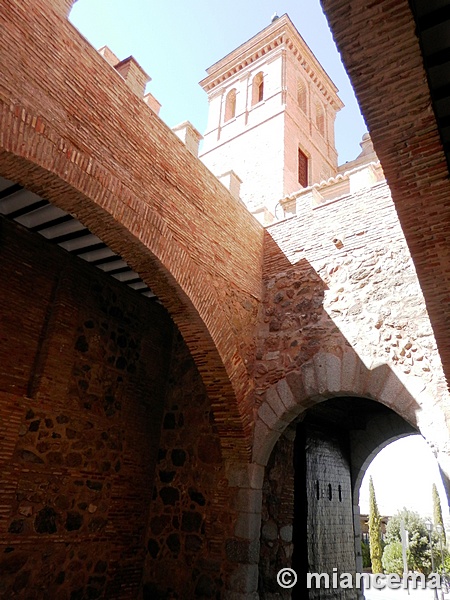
(301, 95)
(320, 118)
(258, 88)
(230, 105)
(302, 168)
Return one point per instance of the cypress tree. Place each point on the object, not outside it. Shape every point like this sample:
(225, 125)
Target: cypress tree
(437, 512)
(376, 550)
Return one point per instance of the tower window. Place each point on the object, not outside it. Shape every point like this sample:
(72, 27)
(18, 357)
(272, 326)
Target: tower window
(258, 88)
(302, 168)
(301, 95)
(230, 105)
(320, 118)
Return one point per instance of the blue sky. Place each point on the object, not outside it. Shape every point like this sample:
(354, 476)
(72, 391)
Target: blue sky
(176, 41)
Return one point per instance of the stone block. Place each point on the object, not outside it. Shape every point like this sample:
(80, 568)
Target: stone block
(248, 526)
(295, 382)
(248, 500)
(285, 394)
(349, 363)
(309, 378)
(354, 374)
(244, 579)
(245, 476)
(274, 400)
(320, 366)
(391, 390)
(243, 551)
(334, 367)
(286, 533)
(328, 372)
(376, 380)
(264, 440)
(266, 414)
(269, 531)
(273, 421)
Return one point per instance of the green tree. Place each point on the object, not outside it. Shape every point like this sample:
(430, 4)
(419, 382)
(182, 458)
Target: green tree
(437, 512)
(376, 550)
(365, 554)
(393, 558)
(419, 556)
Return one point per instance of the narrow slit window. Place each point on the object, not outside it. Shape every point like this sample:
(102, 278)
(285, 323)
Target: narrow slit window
(330, 492)
(230, 105)
(302, 168)
(258, 88)
(317, 490)
(340, 493)
(320, 118)
(301, 95)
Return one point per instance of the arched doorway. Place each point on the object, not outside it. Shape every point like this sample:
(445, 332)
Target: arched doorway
(310, 513)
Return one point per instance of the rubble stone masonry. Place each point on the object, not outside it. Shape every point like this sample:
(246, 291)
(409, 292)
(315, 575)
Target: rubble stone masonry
(83, 369)
(364, 295)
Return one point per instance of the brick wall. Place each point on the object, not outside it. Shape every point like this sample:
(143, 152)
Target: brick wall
(83, 374)
(75, 133)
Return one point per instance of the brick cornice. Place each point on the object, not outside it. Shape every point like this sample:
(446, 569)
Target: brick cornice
(281, 34)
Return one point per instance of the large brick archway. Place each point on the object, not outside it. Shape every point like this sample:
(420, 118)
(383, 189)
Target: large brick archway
(127, 177)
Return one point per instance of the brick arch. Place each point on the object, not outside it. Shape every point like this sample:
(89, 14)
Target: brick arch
(326, 376)
(170, 282)
(126, 176)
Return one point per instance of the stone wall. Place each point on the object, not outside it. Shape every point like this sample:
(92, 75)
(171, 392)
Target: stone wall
(83, 370)
(403, 128)
(307, 518)
(191, 514)
(343, 320)
(277, 517)
(364, 295)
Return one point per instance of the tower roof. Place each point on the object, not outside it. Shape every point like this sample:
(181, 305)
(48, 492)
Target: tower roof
(280, 34)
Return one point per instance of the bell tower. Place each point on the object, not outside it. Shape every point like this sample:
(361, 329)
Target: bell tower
(271, 117)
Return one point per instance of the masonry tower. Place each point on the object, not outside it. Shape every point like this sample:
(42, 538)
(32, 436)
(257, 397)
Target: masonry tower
(271, 118)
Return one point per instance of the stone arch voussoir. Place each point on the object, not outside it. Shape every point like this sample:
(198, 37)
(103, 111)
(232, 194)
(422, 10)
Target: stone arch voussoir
(327, 375)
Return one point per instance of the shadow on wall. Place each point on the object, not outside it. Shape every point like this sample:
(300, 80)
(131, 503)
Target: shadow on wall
(303, 357)
(334, 410)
